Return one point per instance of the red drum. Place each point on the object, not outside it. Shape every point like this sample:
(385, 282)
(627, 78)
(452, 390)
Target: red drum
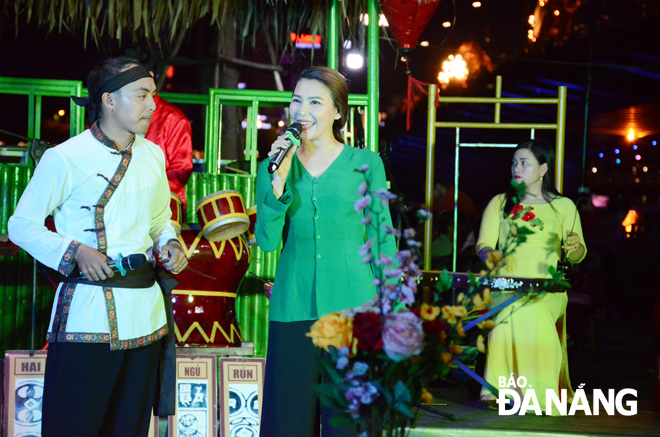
(205, 306)
(176, 206)
(249, 235)
(222, 215)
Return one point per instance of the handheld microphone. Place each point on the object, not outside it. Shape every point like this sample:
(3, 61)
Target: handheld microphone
(293, 137)
(124, 263)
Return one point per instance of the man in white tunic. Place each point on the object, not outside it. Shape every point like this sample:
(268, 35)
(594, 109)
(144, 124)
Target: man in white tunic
(108, 193)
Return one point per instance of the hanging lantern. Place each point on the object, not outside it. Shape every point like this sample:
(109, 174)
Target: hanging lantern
(408, 18)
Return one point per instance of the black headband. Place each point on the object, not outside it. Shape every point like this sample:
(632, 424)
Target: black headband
(110, 85)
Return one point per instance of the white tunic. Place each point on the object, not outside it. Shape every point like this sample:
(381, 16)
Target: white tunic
(70, 182)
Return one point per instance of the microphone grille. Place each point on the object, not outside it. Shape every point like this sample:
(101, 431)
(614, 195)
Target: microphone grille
(134, 261)
(295, 129)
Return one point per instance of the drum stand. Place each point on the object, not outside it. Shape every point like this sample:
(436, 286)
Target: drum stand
(246, 349)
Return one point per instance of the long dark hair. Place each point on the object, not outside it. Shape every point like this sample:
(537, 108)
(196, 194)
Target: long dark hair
(544, 154)
(338, 88)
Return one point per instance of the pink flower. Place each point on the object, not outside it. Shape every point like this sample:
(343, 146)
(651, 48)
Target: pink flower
(402, 335)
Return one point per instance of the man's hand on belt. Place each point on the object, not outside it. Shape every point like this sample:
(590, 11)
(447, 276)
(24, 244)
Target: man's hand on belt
(93, 264)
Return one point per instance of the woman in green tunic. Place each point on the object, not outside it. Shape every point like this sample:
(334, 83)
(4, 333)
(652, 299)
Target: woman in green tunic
(527, 341)
(307, 206)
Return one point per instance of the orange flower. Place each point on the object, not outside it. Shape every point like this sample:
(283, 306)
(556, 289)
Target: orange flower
(334, 329)
(427, 398)
(452, 313)
(429, 312)
(460, 330)
(486, 324)
(481, 344)
(488, 299)
(494, 259)
(445, 357)
(455, 349)
(478, 302)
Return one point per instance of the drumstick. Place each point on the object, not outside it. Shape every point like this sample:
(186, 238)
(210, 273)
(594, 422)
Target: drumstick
(200, 273)
(261, 279)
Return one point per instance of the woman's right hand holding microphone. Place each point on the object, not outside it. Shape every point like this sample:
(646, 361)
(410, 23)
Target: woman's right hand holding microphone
(279, 177)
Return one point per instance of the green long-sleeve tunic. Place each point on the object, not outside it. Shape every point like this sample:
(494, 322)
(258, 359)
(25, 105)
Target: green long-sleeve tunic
(320, 269)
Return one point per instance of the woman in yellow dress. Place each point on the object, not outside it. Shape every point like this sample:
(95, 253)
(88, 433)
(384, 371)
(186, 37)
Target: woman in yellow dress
(529, 338)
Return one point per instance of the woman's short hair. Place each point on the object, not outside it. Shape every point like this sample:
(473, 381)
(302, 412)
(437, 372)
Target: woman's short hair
(338, 88)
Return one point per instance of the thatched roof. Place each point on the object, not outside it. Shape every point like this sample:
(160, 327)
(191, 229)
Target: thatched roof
(158, 20)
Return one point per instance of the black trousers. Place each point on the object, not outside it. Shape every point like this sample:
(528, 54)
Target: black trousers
(91, 391)
(290, 407)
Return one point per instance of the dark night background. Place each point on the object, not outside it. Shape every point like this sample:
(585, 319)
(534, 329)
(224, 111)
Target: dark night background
(620, 273)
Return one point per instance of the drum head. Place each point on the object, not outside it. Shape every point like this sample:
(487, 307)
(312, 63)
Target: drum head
(227, 229)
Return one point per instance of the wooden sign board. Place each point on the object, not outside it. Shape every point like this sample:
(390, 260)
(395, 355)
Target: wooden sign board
(196, 397)
(23, 394)
(240, 395)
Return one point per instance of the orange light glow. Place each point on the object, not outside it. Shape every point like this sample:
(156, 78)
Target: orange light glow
(630, 220)
(631, 134)
(454, 68)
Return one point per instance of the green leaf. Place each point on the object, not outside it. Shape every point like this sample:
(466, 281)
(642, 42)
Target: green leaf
(469, 355)
(386, 394)
(331, 395)
(444, 282)
(558, 277)
(401, 393)
(403, 409)
(342, 420)
(523, 231)
(331, 371)
(519, 188)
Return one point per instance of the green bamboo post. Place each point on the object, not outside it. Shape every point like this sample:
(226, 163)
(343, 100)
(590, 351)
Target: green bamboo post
(371, 139)
(430, 175)
(332, 39)
(561, 135)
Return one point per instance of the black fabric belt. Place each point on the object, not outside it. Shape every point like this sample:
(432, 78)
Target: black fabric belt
(145, 277)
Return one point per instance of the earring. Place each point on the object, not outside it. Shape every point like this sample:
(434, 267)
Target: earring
(540, 178)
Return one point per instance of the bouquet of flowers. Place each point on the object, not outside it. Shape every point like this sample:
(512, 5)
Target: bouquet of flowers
(381, 357)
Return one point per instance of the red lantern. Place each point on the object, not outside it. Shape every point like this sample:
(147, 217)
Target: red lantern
(408, 18)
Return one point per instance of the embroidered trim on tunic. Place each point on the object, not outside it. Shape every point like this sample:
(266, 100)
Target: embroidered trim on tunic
(63, 302)
(67, 261)
(96, 337)
(113, 183)
(105, 199)
(79, 337)
(111, 309)
(99, 208)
